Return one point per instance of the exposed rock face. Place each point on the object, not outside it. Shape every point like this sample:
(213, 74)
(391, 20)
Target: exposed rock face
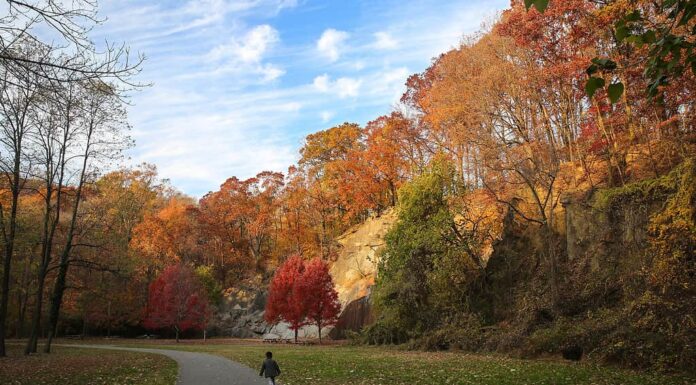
(353, 318)
(355, 269)
(241, 315)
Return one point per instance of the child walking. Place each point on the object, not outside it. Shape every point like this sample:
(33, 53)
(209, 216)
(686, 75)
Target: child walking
(270, 369)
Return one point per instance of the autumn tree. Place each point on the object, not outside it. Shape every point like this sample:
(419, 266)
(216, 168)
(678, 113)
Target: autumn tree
(317, 288)
(241, 221)
(112, 293)
(166, 235)
(324, 158)
(285, 299)
(177, 301)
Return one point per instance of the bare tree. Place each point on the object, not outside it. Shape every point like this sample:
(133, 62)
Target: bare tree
(53, 74)
(15, 105)
(76, 58)
(100, 136)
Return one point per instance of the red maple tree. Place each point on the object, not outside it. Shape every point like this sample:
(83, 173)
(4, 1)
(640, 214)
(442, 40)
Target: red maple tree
(285, 302)
(321, 299)
(302, 293)
(177, 301)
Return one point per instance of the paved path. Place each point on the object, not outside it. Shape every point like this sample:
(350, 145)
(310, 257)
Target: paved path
(200, 368)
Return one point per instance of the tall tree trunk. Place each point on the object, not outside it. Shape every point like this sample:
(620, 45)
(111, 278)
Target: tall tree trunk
(52, 171)
(9, 238)
(49, 230)
(59, 286)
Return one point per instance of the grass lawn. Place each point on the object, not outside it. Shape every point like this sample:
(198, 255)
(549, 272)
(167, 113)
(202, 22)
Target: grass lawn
(76, 366)
(344, 365)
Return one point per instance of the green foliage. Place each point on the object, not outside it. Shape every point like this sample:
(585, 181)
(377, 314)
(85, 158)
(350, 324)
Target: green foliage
(670, 52)
(424, 270)
(592, 85)
(460, 333)
(540, 5)
(656, 189)
(210, 284)
(615, 91)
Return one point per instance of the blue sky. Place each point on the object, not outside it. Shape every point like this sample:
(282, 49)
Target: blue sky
(238, 84)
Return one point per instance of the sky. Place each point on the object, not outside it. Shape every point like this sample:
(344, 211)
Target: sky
(238, 84)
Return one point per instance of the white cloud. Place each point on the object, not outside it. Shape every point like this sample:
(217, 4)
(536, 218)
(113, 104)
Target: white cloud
(343, 87)
(326, 116)
(270, 72)
(359, 65)
(250, 48)
(257, 42)
(322, 83)
(348, 87)
(384, 40)
(331, 43)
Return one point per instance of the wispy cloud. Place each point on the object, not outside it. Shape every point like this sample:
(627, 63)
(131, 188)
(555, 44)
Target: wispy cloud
(384, 40)
(239, 83)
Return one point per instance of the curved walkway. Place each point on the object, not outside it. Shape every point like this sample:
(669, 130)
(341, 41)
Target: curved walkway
(199, 368)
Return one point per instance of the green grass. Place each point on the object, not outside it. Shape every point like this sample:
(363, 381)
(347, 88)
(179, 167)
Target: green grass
(343, 365)
(77, 366)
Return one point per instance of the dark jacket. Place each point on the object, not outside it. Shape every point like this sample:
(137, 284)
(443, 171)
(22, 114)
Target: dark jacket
(270, 368)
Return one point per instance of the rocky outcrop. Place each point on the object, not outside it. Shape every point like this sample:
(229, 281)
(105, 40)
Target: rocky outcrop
(241, 314)
(353, 318)
(355, 268)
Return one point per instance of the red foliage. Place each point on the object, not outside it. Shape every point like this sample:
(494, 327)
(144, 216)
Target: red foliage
(317, 288)
(177, 301)
(284, 300)
(301, 294)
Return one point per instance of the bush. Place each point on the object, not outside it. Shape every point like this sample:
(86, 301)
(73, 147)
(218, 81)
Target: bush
(464, 334)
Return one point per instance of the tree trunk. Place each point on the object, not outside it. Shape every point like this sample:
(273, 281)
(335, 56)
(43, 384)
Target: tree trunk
(60, 284)
(84, 326)
(296, 330)
(319, 327)
(9, 238)
(36, 317)
(23, 300)
(56, 299)
(176, 331)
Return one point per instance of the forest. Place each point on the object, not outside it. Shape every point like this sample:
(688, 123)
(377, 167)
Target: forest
(553, 115)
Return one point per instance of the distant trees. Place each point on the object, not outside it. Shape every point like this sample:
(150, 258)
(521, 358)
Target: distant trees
(302, 293)
(242, 223)
(177, 301)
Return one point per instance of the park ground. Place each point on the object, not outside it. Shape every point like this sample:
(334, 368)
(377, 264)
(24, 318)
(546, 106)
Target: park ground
(77, 366)
(318, 365)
